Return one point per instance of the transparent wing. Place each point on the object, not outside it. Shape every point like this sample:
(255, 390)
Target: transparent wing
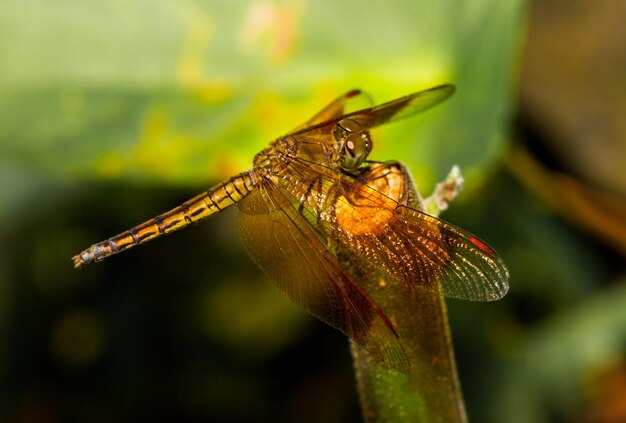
(281, 241)
(404, 244)
(381, 114)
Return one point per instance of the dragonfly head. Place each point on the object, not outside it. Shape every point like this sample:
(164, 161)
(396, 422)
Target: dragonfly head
(353, 143)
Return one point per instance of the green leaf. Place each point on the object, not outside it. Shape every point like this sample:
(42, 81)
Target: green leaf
(184, 93)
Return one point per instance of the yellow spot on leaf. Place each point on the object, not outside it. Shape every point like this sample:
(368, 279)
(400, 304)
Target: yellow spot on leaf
(213, 92)
(110, 165)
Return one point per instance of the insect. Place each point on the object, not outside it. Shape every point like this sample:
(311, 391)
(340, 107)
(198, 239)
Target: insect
(320, 219)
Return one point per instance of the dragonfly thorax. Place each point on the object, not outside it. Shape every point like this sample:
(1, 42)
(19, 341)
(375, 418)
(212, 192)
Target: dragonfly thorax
(352, 144)
(276, 155)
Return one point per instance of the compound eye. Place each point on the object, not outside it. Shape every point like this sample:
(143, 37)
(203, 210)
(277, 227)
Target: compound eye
(356, 148)
(345, 127)
(353, 143)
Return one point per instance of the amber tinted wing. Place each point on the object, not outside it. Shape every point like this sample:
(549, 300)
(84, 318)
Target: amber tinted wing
(408, 245)
(282, 242)
(378, 115)
(402, 107)
(465, 266)
(339, 107)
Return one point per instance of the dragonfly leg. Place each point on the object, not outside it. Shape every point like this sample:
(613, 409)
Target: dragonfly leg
(312, 198)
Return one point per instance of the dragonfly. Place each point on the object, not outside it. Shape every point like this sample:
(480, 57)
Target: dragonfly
(320, 219)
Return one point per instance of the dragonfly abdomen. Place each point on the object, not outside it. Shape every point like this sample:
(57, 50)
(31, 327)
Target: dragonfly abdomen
(198, 208)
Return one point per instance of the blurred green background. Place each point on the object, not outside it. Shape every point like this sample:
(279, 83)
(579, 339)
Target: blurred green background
(112, 112)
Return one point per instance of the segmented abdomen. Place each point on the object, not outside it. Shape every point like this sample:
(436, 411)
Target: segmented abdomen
(198, 208)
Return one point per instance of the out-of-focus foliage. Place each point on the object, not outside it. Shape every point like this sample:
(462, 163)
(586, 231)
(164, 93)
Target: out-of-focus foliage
(573, 87)
(184, 93)
(102, 102)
